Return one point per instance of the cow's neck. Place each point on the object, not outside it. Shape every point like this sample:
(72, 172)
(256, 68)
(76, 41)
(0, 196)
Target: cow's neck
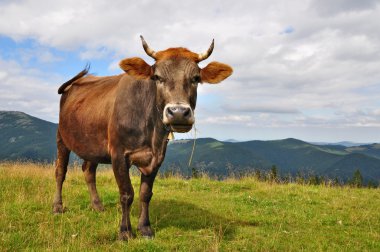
(161, 129)
(160, 132)
(160, 138)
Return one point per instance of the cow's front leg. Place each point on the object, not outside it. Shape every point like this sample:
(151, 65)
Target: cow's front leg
(120, 168)
(146, 194)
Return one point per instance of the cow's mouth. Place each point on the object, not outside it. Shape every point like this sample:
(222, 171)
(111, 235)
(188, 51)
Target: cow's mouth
(181, 128)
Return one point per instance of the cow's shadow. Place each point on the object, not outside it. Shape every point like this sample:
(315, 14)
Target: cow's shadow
(187, 216)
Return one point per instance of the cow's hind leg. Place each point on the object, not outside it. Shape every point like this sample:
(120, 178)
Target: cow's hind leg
(89, 170)
(146, 194)
(63, 155)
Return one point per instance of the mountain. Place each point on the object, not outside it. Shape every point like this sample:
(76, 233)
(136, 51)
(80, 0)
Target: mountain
(344, 168)
(231, 140)
(23, 137)
(289, 155)
(343, 143)
(211, 156)
(372, 150)
(348, 143)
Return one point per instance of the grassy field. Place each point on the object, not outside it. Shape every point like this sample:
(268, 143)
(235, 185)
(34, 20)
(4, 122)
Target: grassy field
(187, 215)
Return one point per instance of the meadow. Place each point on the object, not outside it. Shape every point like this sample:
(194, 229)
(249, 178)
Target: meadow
(187, 214)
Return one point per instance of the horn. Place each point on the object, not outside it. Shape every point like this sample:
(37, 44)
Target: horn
(147, 49)
(203, 56)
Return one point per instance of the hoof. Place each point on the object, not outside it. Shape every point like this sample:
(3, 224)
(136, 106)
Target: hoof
(98, 207)
(146, 232)
(126, 235)
(58, 208)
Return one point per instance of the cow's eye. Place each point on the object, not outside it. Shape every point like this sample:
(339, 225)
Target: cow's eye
(157, 78)
(196, 80)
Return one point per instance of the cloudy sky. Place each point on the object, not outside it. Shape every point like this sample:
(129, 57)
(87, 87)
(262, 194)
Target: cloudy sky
(308, 69)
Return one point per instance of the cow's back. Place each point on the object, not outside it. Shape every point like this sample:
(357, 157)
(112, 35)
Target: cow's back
(85, 109)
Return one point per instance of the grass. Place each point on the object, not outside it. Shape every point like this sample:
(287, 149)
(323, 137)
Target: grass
(187, 215)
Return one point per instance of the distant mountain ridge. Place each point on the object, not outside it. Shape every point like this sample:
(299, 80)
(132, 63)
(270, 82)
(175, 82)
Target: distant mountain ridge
(343, 143)
(23, 137)
(289, 155)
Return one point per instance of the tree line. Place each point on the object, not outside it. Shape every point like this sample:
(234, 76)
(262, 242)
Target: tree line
(273, 175)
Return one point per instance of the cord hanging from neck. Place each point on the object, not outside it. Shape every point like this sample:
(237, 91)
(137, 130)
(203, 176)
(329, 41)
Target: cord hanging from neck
(192, 151)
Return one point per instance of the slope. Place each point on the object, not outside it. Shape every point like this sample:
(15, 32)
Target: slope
(24, 137)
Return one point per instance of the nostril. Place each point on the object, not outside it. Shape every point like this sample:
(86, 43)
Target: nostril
(171, 111)
(186, 112)
(178, 114)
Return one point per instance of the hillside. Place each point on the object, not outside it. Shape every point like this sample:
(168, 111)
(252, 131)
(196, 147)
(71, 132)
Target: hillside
(23, 137)
(344, 168)
(187, 215)
(370, 150)
(289, 155)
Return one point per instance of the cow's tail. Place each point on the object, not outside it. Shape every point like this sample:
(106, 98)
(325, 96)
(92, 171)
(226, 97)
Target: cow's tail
(64, 86)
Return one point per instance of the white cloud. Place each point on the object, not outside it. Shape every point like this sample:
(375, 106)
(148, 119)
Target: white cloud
(30, 91)
(41, 55)
(297, 63)
(328, 8)
(229, 119)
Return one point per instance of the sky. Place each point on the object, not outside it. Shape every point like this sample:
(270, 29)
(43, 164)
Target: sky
(307, 69)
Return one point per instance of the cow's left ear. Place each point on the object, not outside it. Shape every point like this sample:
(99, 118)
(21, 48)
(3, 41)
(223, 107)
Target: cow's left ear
(215, 72)
(136, 67)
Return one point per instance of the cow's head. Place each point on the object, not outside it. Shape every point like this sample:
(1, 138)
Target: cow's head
(176, 74)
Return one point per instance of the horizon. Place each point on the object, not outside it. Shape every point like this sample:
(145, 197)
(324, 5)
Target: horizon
(306, 70)
(232, 140)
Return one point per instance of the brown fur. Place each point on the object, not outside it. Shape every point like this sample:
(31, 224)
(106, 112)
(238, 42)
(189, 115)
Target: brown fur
(215, 72)
(112, 120)
(136, 67)
(119, 120)
(179, 52)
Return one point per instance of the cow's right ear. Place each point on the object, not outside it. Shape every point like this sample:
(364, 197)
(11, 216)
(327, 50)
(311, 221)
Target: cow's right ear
(136, 67)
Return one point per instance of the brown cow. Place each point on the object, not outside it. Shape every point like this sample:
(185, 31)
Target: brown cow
(126, 119)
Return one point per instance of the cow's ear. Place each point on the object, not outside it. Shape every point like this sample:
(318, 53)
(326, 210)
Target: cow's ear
(215, 72)
(136, 67)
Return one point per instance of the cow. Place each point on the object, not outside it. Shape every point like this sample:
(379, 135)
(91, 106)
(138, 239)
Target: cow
(126, 119)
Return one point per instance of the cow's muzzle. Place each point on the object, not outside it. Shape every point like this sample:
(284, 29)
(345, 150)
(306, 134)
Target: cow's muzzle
(180, 117)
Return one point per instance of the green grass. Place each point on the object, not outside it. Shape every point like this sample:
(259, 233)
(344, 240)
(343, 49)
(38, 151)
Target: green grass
(187, 215)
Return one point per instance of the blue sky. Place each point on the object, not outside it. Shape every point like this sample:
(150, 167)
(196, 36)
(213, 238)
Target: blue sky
(303, 69)
(29, 53)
